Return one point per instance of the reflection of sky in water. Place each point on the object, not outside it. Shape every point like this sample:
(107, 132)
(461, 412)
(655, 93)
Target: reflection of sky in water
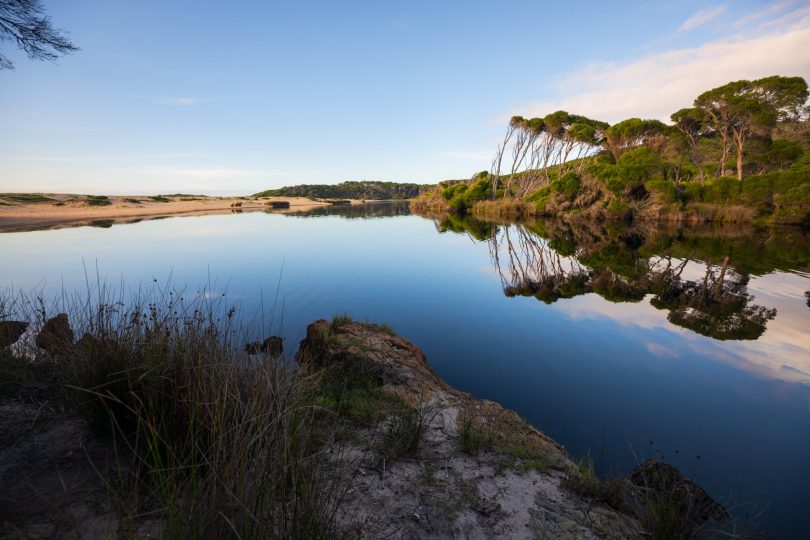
(782, 352)
(584, 370)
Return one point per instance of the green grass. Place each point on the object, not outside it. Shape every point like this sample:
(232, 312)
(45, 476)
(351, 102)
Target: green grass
(473, 436)
(405, 433)
(133, 201)
(210, 447)
(161, 199)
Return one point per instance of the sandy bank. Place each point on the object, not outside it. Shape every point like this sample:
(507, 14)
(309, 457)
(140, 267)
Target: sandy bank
(60, 210)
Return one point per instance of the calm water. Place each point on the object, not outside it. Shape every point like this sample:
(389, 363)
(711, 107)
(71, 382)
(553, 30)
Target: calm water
(613, 341)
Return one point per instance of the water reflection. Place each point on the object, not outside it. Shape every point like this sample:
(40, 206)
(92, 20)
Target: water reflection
(551, 261)
(699, 276)
(355, 211)
(600, 341)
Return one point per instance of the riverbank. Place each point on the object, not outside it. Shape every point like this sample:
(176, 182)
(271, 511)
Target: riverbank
(777, 198)
(372, 442)
(27, 211)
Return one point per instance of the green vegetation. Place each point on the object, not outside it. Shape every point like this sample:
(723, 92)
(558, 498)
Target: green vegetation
(26, 198)
(133, 201)
(404, 434)
(160, 198)
(741, 153)
(348, 190)
(473, 435)
(212, 446)
(98, 200)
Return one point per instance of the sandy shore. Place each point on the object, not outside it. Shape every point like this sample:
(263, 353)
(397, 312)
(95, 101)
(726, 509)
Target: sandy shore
(48, 210)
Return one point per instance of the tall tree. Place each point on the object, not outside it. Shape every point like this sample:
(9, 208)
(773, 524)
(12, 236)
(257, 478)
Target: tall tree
(691, 123)
(741, 108)
(25, 23)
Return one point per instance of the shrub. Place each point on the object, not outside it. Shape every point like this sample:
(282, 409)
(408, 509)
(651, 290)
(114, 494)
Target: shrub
(663, 191)
(636, 166)
(98, 200)
(568, 186)
(617, 209)
(721, 191)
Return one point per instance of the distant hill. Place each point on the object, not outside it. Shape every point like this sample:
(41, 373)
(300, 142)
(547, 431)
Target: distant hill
(349, 190)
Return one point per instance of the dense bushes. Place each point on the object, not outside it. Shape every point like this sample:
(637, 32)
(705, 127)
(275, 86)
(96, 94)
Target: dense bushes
(461, 196)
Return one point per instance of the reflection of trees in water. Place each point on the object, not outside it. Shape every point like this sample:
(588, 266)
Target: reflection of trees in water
(356, 211)
(718, 305)
(612, 266)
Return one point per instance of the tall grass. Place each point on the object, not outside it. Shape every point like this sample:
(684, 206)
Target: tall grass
(210, 442)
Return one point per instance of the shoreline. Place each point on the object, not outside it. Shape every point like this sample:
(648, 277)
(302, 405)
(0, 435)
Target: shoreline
(52, 211)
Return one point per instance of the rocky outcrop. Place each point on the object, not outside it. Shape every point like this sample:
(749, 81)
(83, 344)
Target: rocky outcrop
(512, 488)
(660, 480)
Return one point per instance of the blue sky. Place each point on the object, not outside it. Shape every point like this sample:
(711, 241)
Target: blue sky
(196, 96)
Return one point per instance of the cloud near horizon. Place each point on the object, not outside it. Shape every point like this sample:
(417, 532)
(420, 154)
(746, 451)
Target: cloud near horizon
(657, 85)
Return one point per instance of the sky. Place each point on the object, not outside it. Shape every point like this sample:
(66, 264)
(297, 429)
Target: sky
(203, 97)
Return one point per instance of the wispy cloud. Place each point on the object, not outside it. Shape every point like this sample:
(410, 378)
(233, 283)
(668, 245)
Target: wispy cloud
(702, 17)
(657, 85)
(765, 13)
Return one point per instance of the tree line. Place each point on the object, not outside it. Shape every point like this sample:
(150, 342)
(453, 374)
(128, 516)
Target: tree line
(371, 190)
(721, 121)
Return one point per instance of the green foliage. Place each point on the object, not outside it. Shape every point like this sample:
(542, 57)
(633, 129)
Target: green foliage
(461, 197)
(617, 209)
(367, 190)
(568, 186)
(721, 191)
(98, 200)
(663, 191)
(160, 199)
(26, 198)
(782, 153)
(635, 167)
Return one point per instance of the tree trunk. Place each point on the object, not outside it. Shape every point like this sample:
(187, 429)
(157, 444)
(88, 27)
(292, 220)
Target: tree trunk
(724, 156)
(739, 141)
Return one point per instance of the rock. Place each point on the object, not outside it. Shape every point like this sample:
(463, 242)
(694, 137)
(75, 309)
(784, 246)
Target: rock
(11, 331)
(657, 479)
(56, 335)
(273, 346)
(253, 347)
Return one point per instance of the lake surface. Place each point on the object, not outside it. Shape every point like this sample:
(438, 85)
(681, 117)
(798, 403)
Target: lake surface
(620, 343)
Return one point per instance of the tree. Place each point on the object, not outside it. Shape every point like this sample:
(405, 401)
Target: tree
(25, 23)
(691, 122)
(633, 132)
(742, 108)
